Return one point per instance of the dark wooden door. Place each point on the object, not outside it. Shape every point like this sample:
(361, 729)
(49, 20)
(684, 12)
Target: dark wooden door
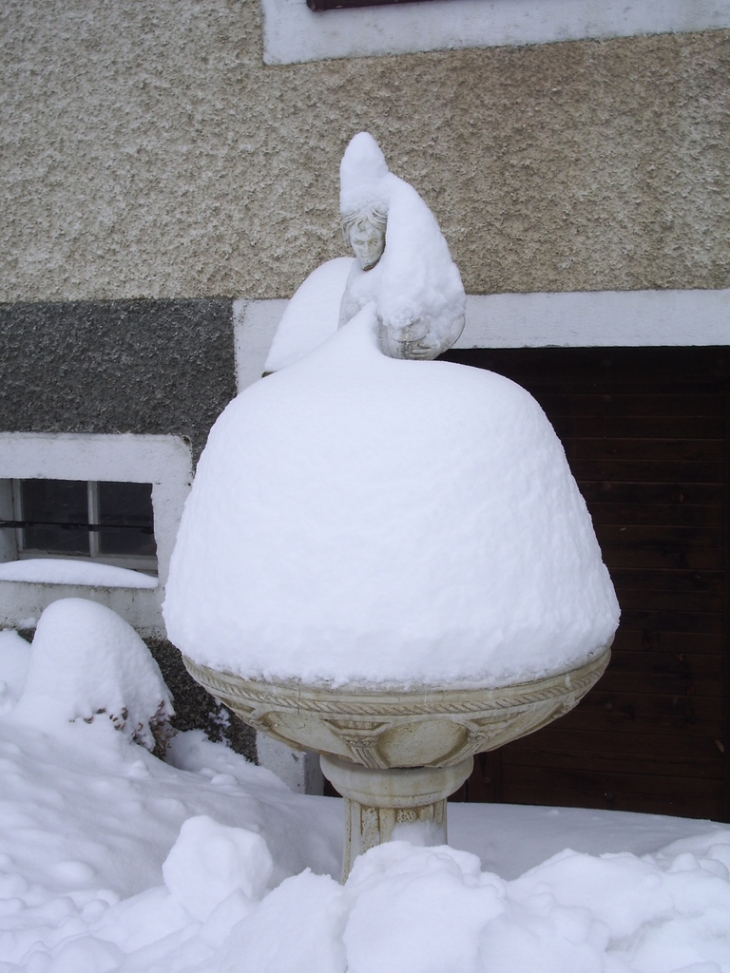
(646, 435)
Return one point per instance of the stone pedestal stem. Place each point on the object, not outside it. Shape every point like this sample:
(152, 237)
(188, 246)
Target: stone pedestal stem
(377, 800)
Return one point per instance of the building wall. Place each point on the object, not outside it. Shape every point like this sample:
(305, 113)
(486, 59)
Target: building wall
(121, 391)
(150, 153)
(141, 367)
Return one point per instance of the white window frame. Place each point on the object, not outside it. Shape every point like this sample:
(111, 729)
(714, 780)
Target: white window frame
(135, 562)
(163, 461)
(293, 33)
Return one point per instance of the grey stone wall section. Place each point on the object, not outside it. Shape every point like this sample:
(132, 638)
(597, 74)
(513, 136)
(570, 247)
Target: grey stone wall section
(148, 152)
(195, 709)
(162, 367)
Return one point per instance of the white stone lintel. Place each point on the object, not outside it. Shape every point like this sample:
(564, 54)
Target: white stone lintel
(588, 319)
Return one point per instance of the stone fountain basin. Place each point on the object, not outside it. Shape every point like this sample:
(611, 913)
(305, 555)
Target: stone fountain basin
(382, 728)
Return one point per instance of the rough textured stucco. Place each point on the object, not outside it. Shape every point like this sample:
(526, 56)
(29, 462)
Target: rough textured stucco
(124, 366)
(195, 708)
(149, 152)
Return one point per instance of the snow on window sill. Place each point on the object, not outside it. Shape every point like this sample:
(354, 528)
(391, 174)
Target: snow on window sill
(63, 571)
(293, 33)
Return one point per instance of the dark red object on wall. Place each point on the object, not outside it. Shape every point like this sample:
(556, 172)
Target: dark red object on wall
(340, 4)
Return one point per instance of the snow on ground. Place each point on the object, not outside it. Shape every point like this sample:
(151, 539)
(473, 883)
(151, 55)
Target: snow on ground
(112, 860)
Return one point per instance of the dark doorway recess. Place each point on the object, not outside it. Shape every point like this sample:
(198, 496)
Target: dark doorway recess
(646, 433)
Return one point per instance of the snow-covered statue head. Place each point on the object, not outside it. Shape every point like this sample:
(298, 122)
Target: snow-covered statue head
(402, 264)
(365, 233)
(364, 199)
(402, 267)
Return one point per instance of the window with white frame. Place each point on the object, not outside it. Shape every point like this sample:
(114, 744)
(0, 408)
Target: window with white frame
(111, 522)
(79, 506)
(113, 498)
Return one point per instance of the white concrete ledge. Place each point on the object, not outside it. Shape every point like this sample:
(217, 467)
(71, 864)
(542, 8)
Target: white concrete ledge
(254, 327)
(293, 33)
(630, 319)
(583, 319)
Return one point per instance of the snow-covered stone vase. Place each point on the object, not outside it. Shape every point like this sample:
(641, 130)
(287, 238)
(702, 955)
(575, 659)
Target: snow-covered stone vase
(385, 558)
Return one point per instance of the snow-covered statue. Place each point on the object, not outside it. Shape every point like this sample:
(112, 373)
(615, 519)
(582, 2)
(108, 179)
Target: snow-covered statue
(363, 517)
(402, 267)
(402, 260)
(384, 558)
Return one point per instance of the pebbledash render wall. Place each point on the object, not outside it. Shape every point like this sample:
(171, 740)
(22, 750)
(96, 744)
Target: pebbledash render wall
(149, 152)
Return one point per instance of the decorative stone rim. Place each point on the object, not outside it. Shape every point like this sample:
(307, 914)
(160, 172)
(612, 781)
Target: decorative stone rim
(382, 728)
(381, 701)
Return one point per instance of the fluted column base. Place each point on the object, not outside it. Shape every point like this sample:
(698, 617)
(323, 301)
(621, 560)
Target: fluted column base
(377, 800)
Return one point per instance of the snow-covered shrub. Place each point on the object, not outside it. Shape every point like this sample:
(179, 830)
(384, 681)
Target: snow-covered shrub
(14, 658)
(87, 661)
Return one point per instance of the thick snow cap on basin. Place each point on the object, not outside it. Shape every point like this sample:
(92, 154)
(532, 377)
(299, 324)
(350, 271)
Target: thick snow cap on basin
(360, 518)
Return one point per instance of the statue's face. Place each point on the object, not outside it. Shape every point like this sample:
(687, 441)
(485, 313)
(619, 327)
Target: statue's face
(367, 242)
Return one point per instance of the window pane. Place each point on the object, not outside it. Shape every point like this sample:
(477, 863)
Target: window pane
(125, 514)
(48, 505)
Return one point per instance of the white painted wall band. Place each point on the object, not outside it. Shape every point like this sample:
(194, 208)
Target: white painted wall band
(293, 33)
(631, 319)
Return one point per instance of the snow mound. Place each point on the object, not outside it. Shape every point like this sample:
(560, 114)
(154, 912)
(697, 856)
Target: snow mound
(86, 825)
(87, 661)
(360, 518)
(312, 909)
(210, 861)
